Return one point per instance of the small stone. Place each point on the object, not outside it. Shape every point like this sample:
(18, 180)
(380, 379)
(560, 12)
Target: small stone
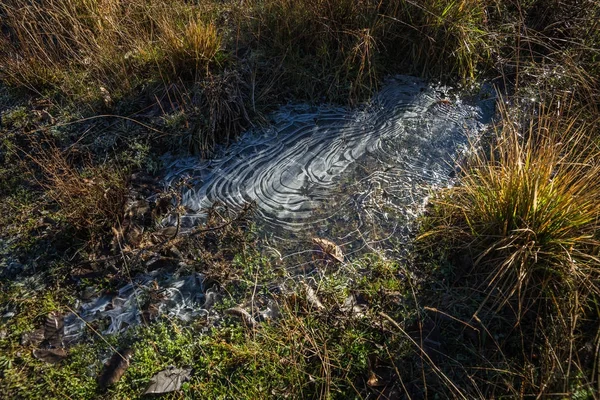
(352, 307)
(8, 315)
(312, 299)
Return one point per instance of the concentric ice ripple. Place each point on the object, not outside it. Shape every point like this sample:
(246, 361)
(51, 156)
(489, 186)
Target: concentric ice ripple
(295, 166)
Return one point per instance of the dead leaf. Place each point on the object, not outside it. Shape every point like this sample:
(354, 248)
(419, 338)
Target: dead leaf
(54, 329)
(168, 380)
(115, 368)
(373, 380)
(51, 356)
(329, 248)
(243, 314)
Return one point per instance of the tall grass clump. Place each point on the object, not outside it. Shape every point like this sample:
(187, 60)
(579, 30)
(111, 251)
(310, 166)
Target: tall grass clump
(82, 48)
(521, 231)
(527, 208)
(342, 48)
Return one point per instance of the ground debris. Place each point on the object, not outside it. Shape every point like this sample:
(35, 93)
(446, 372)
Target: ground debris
(50, 338)
(244, 315)
(115, 368)
(332, 250)
(32, 338)
(54, 329)
(271, 312)
(312, 299)
(51, 356)
(168, 380)
(352, 307)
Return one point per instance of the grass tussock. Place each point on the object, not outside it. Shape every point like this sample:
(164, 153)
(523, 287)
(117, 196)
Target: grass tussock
(522, 228)
(528, 209)
(78, 47)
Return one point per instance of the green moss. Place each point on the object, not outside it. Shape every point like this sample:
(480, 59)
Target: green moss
(301, 354)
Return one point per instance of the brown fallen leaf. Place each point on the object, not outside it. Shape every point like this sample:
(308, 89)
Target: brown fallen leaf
(115, 368)
(330, 249)
(54, 329)
(51, 356)
(243, 315)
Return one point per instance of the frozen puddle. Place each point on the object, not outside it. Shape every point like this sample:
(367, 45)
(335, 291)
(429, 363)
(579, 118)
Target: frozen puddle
(406, 139)
(140, 301)
(323, 171)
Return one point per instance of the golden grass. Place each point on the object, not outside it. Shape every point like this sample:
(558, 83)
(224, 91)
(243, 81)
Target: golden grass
(339, 49)
(522, 228)
(109, 43)
(91, 198)
(528, 208)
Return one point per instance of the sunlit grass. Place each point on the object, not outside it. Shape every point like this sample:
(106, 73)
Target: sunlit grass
(66, 44)
(528, 207)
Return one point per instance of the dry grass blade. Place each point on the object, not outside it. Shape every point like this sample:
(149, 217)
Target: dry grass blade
(91, 197)
(529, 206)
